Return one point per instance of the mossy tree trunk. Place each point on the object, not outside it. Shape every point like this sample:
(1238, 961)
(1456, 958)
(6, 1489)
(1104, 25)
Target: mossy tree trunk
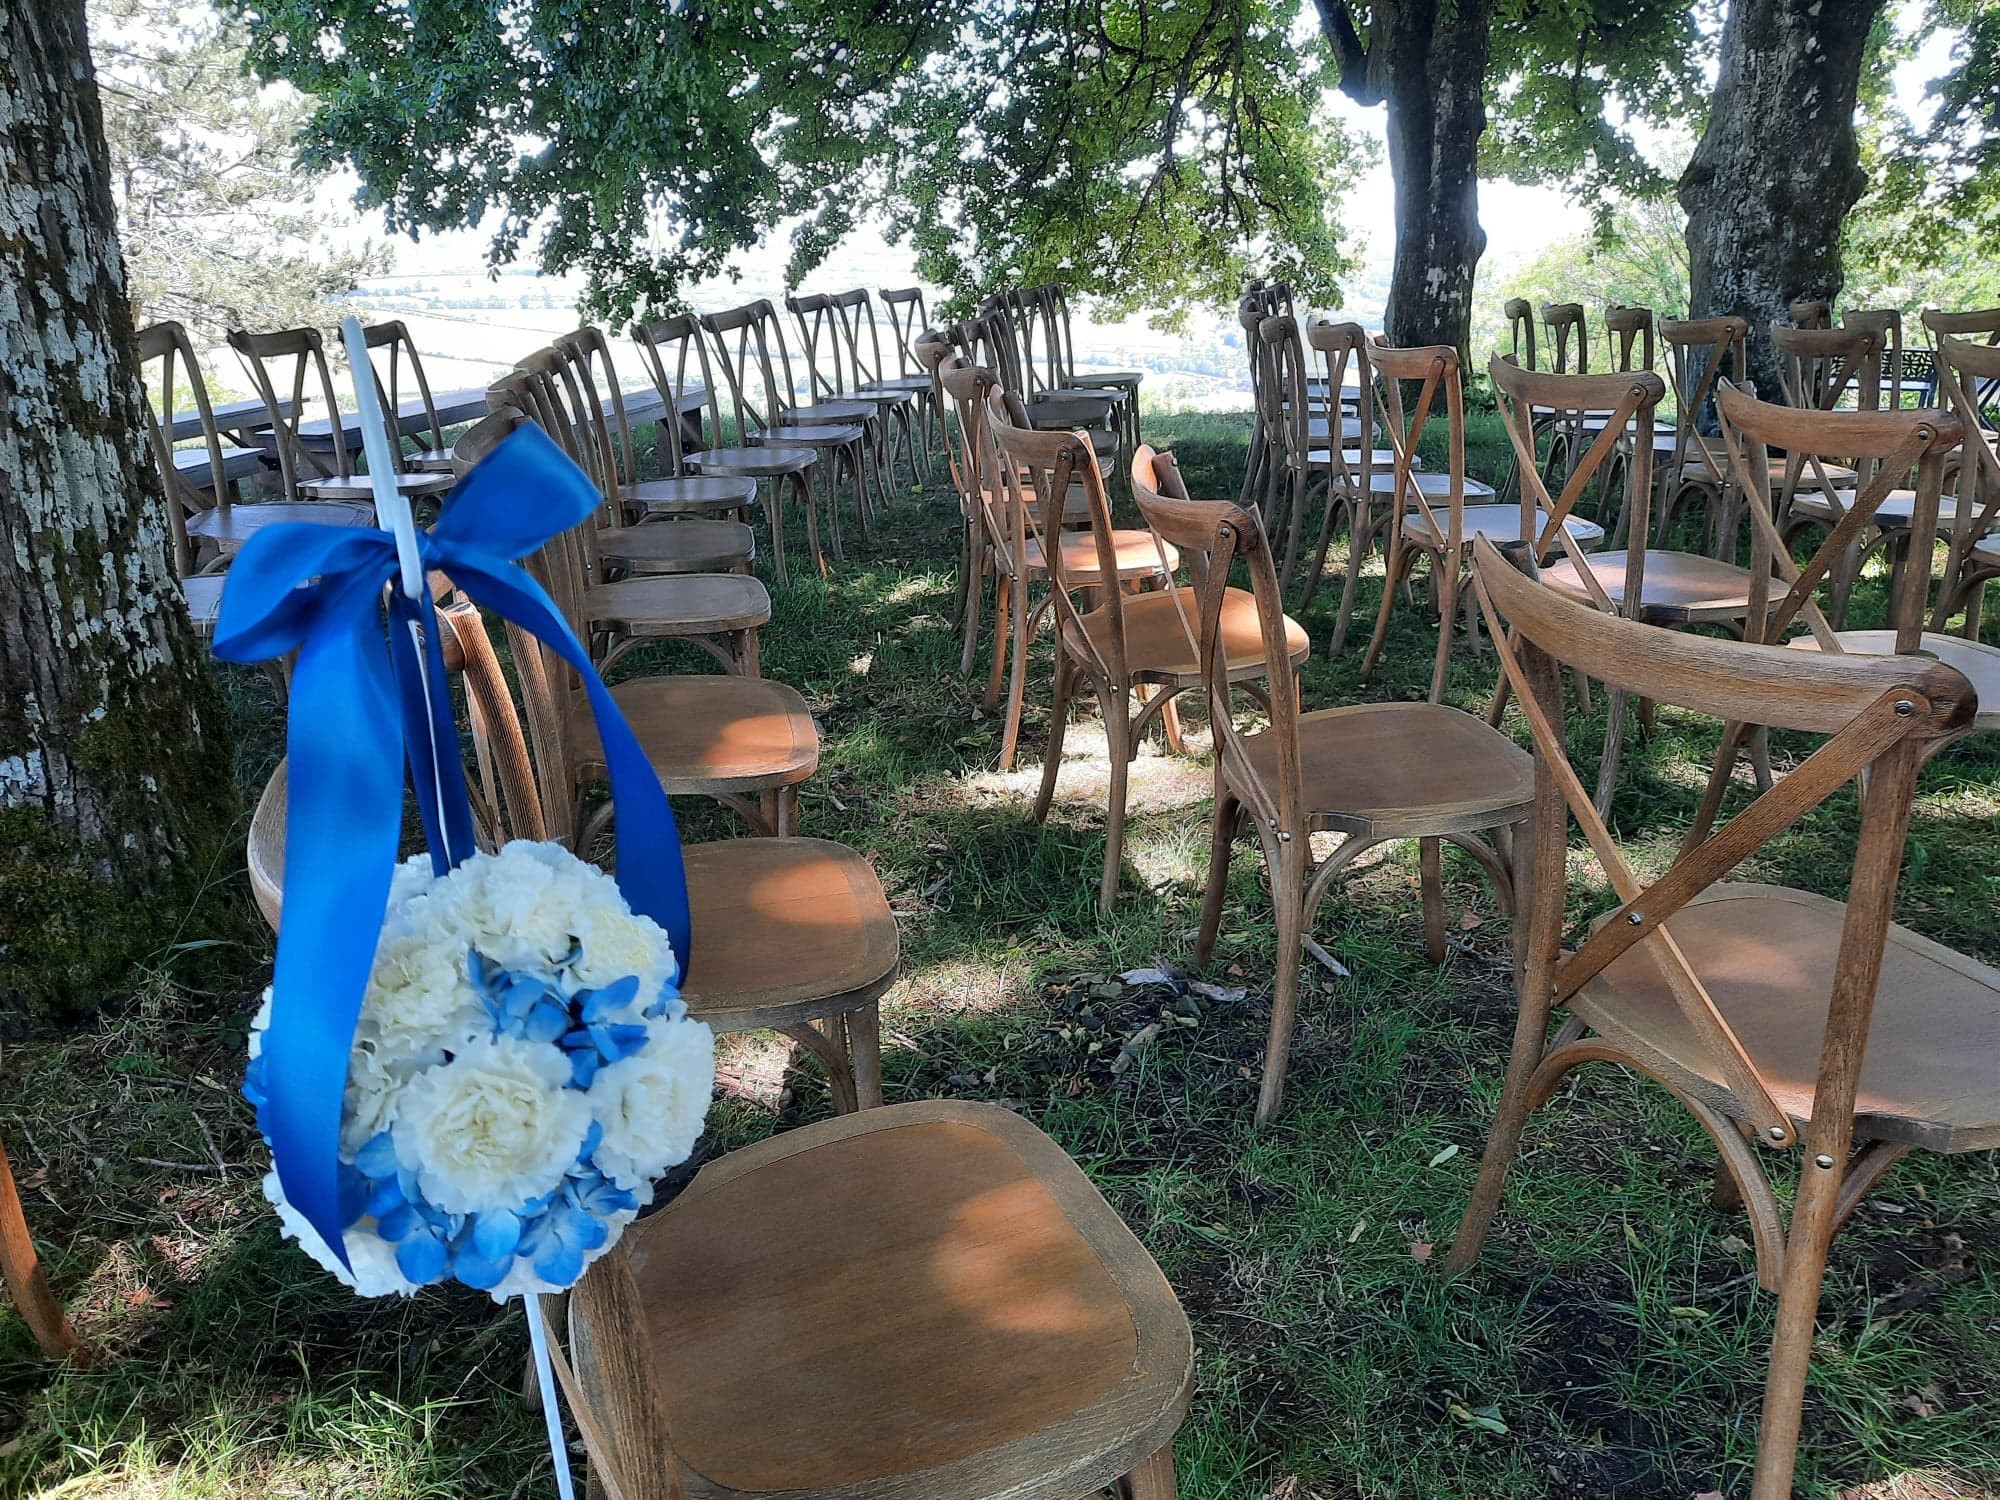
(1778, 168)
(1426, 63)
(114, 776)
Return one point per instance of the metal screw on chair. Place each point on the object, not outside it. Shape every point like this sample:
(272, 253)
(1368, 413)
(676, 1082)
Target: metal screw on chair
(1637, 919)
(1904, 708)
(1823, 1162)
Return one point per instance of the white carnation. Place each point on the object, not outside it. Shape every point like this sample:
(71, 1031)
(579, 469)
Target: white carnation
(517, 907)
(370, 1102)
(616, 943)
(419, 1002)
(493, 1127)
(652, 1104)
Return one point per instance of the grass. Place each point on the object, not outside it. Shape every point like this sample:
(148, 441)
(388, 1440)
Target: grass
(1610, 1343)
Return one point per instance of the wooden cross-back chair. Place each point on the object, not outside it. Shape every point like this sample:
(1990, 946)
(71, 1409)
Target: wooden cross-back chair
(1886, 323)
(433, 454)
(1821, 367)
(1654, 585)
(909, 320)
(1433, 516)
(1964, 369)
(1014, 544)
(1117, 643)
(832, 382)
(1701, 353)
(1811, 312)
(862, 333)
(1569, 337)
(1773, 1015)
(1304, 438)
(1252, 308)
(616, 613)
(1631, 344)
(297, 356)
(748, 345)
(925, 1301)
(1784, 593)
(680, 523)
(1521, 321)
(1060, 335)
(1375, 772)
(675, 352)
(999, 349)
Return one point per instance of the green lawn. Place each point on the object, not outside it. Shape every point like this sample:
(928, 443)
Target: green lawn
(1610, 1343)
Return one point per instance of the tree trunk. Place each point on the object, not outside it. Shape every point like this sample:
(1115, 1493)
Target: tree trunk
(1427, 63)
(115, 784)
(1779, 165)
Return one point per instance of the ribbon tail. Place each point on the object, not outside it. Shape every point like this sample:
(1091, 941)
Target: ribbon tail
(437, 769)
(343, 819)
(649, 871)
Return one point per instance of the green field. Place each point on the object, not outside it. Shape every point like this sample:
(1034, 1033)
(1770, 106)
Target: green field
(1610, 1343)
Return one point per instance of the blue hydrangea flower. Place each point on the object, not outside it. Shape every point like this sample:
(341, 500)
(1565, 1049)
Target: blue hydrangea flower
(520, 1003)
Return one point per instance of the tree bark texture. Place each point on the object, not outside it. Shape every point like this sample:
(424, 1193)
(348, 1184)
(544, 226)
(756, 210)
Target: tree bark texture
(1427, 63)
(115, 785)
(1779, 165)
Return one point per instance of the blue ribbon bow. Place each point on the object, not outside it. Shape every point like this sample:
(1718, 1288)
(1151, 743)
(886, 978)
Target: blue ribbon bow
(358, 710)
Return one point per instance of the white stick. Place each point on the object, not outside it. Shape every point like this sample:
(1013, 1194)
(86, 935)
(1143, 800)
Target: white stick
(392, 507)
(545, 1376)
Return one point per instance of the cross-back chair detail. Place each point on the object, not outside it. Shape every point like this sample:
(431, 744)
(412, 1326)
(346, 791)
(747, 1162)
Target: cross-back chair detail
(1569, 337)
(1802, 1021)
(1964, 369)
(1521, 322)
(1375, 772)
(1701, 353)
(1352, 472)
(401, 368)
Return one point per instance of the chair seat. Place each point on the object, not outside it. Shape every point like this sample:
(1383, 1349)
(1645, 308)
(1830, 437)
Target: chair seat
(1070, 409)
(690, 494)
(1895, 511)
(1663, 439)
(688, 546)
(1076, 502)
(827, 435)
(193, 466)
(362, 487)
(752, 462)
(1988, 551)
(1430, 484)
(915, 385)
(430, 460)
(708, 734)
(678, 604)
(1394, 769)
(924, 1299)
(1766, 955)
(1979, 662)
(229, 527)
(1679, 586)
(1500, 524)
(1137, 553)
(840, 410)
(204, 600)
(1157, 648)
(1105, 377)
(1699, 468)
(782, 927)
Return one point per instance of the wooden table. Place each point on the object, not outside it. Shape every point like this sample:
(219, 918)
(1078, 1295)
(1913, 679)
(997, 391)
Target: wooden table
(236, 418)
(456, 408)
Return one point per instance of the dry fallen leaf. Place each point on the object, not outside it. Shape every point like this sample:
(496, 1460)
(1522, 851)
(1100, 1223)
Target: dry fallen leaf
(1420, 1250)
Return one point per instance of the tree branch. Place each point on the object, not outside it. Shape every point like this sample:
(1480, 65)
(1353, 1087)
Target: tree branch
(1336, 24)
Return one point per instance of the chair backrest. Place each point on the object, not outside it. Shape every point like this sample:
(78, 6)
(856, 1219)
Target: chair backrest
(1629, 332)
(908, 318)
(1341, 346)
(1820, 367)
(1434, 371)
(1569, 337)
(1811, 312)
(822, 349)
(542, 387)
(601, 399)
(1521, 332)
(1213, 536)
(999, 344)
(1701, 354)
(1881, 714)
(1284, 403)
(1045, 465)
(164, 354)
(1886, 323)
(291, 358)
(674, 350)
(1885, 445)
(1061, 333)
(1964, 369)
(1632, 399)
(404, 368)
(748, 346)
(988, 502)
(861, 335)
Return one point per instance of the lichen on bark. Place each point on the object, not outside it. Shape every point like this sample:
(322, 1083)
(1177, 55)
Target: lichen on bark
(115, 787)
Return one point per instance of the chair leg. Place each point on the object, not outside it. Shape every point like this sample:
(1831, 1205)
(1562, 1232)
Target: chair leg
(864, 1047)
(1815, 1216)
(1447, 608)
(1151, 1480)
(1002, 598)
(1399, 562)
(774, 515)
(1017, 625)
(1288, 892)
(1530, 1025)
(1116, 707)
(21, 1269)
(1222, 837)
(1430, 882)
(1358, 539)
(1058, 725)
(1614, 745)
(975, 600)
(1293, 526)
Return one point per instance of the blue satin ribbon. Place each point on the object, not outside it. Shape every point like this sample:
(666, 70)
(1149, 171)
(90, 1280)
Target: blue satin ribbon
(359, 707)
